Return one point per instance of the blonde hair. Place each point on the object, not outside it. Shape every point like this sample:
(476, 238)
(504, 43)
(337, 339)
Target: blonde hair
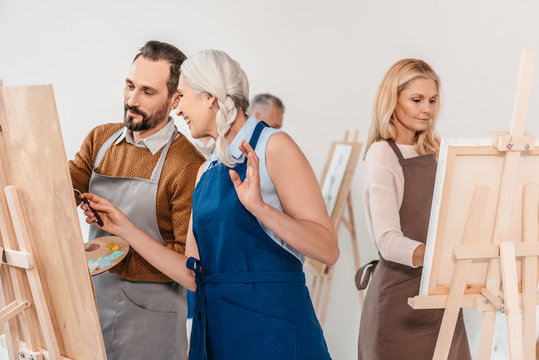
(383, 118)
(215, 73)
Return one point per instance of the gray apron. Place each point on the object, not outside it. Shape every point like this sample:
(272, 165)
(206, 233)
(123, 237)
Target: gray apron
(389, 327)
(139, 319)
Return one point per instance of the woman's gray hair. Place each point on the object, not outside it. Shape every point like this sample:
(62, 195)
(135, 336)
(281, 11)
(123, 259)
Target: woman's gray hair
(215, 73)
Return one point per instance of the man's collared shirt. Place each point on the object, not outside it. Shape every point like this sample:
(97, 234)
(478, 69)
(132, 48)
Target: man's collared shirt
(154, 142)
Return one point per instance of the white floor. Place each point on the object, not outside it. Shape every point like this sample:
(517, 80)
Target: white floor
(472, 320)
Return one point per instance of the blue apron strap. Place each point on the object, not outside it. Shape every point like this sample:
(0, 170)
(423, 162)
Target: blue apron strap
(254, 277)
(256, 134)
(199, 311)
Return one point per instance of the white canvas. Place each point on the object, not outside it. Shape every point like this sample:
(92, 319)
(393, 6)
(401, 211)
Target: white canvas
(472, 167)
(335, 174)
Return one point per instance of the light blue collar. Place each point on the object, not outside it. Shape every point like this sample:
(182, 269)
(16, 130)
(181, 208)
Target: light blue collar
(245, 133)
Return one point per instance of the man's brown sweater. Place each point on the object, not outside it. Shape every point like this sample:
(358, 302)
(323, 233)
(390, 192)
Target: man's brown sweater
(174, 192)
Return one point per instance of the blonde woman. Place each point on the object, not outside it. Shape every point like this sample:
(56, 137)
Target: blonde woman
(257, 212)
(401, 153)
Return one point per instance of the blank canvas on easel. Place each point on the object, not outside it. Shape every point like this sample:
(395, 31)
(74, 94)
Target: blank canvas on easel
(463, 165)
(335, 175)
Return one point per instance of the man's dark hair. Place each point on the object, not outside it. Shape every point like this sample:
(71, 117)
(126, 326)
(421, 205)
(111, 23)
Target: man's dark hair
(157, 50)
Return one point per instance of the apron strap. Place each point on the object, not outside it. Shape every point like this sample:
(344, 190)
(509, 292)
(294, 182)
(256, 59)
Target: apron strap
(103, 149)
(363, 277)
(256, 133)
(396, 149)
(241, 277)
(254, 277)
(253, 141)
(199, 337)
(156, 174)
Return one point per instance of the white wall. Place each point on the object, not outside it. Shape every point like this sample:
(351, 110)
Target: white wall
(323, 58)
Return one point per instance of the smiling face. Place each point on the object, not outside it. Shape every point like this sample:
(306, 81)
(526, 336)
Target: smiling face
(198, 110)
(416, 105)
(146, 99)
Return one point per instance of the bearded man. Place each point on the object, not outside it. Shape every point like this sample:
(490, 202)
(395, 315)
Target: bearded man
(148, 169)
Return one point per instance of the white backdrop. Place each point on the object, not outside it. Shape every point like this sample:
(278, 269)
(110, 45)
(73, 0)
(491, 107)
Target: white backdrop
(323, 58)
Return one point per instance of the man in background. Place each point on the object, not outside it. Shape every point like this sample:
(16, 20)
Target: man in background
(268, 108)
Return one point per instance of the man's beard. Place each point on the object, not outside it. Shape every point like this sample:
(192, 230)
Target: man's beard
(148, 122)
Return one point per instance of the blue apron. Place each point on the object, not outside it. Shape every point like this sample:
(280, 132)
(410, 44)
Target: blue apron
(251, 298)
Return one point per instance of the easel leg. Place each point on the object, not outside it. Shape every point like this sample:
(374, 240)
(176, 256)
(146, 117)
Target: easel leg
(351, 226)
(34, 279)
(487, 334)
(9, 331)
(328, 271)
(452, 308)
(510, 290)
(529, 272)
(318, 293)
(460, 275)
(325, 300)
(28, 333)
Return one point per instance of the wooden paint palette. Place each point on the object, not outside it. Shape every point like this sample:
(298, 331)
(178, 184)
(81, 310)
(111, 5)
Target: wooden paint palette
(104, 253)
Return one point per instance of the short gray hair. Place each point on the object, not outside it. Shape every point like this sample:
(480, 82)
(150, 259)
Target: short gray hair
(215, 73)
(262, 101)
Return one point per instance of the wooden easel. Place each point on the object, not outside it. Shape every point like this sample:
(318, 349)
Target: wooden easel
(501, 290)
(322, 277)
(48, 309)
(18, 266)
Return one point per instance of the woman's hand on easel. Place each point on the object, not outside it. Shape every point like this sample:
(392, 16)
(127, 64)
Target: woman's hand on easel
(248, 190)
(114, 220)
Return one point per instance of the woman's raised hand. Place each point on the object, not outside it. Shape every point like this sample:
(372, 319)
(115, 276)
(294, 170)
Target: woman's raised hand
(114, 220)
(248, 190)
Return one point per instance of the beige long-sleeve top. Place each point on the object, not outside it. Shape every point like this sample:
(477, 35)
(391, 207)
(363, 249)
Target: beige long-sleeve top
(382, 195)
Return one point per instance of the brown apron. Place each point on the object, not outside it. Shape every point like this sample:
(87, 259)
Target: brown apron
(389, 327)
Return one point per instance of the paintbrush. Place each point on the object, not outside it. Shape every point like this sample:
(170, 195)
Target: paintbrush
(87, 202)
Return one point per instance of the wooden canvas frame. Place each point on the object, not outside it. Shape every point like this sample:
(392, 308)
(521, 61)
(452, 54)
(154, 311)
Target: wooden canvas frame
(463, 165)
(512, 236)
(341, 175)
(49, 305)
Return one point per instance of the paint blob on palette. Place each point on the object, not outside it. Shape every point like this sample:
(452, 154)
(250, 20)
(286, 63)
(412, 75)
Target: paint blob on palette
(104, 253)
(102, 262)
